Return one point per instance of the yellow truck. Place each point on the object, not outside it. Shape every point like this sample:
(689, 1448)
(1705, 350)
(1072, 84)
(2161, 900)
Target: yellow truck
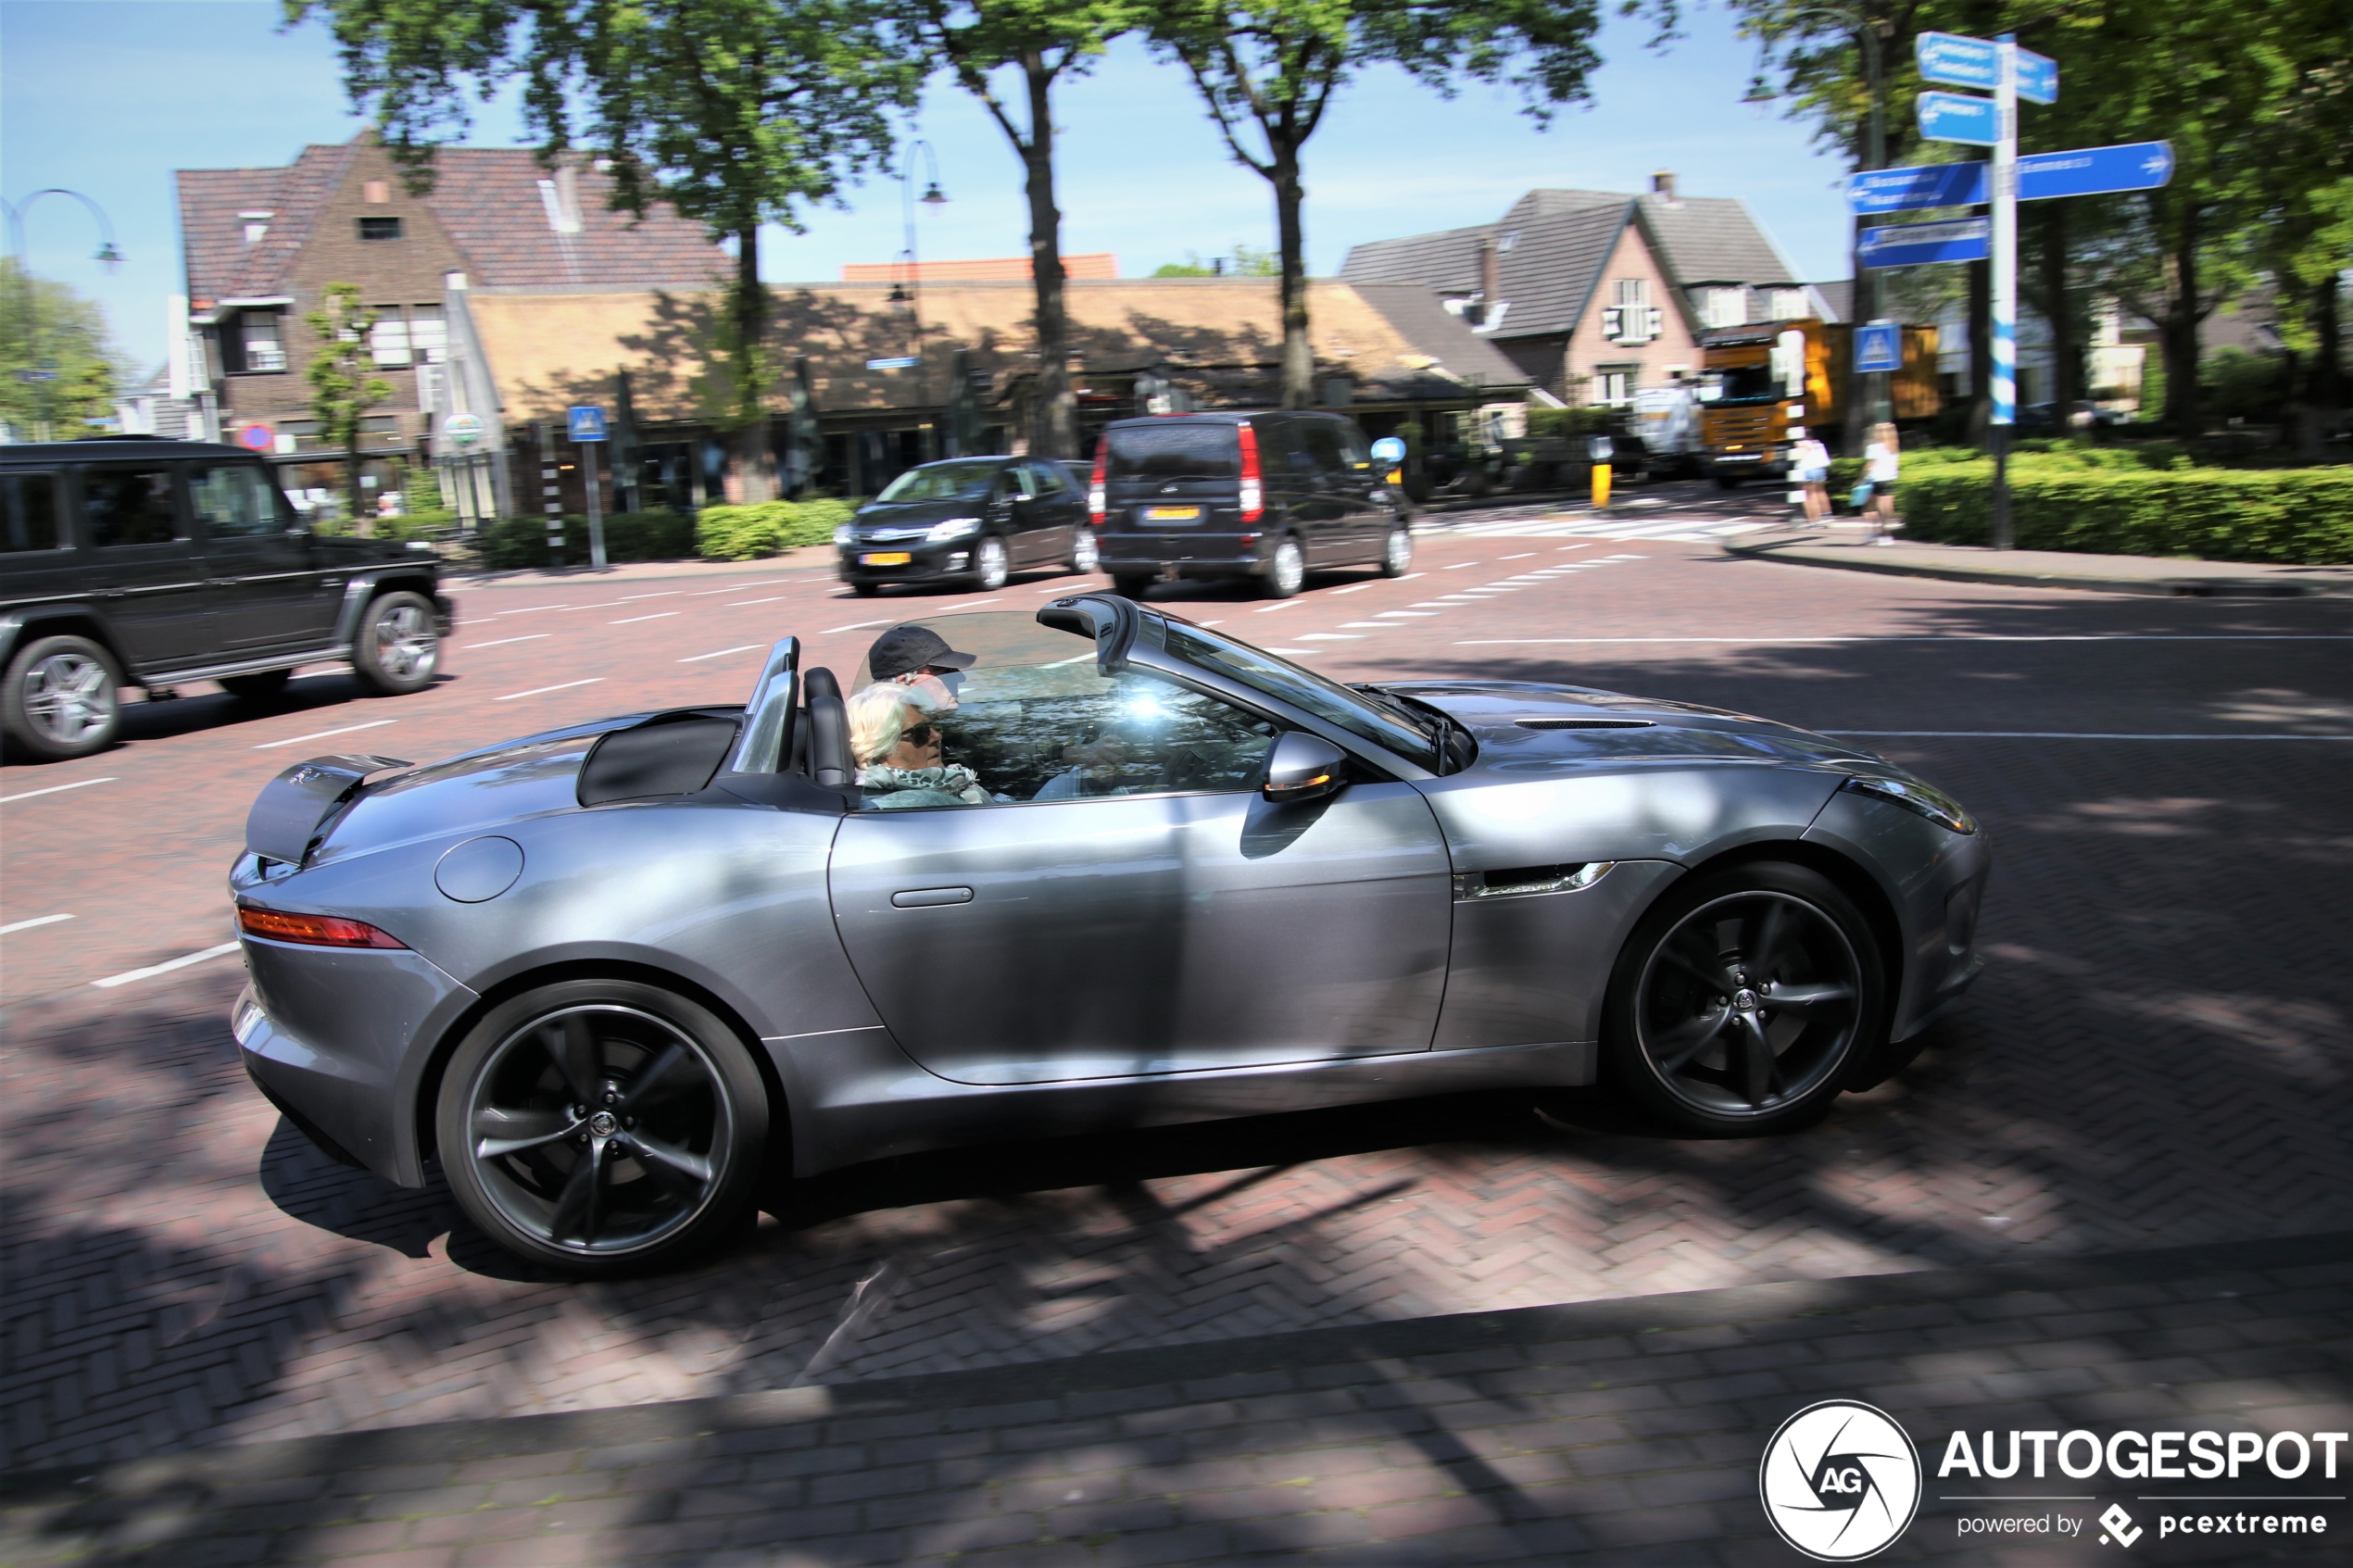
(1760, 381)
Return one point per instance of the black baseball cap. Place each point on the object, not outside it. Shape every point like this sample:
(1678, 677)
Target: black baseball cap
(906, 648)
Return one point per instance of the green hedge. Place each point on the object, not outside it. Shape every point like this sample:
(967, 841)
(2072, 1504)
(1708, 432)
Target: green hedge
(517, 543)
(2291, 517)
(743, 532)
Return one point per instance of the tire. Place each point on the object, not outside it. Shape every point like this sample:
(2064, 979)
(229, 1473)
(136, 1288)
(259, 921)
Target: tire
(1727, 481)
(1691, 1026)
(1286, 571)
(991, 566)
(397, 649)
(1085, 554)
(583, 1194)
(865, 590)
(1397, 556)
(263, 685)
(62, 700)
(1130, 585)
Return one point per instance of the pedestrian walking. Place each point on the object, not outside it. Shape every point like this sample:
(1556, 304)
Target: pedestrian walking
(1882, 461)
(1812, 461)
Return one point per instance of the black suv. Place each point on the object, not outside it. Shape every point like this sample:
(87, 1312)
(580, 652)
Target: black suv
(1264, 495)
(967, 522)
(156, 563)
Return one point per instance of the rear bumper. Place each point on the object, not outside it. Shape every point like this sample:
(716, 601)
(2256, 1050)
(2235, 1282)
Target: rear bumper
(1207, 554)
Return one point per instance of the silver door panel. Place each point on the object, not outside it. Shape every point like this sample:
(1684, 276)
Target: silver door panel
(1529, 968)
(1122, 936)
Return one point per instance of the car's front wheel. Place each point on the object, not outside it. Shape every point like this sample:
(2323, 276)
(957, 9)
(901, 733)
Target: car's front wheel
(865, 590)
(1285, 569)
(1085, 554)
(603, 1128)
(991, 566)
(1397, 555)
(1745, 1000)
(61, 700)
(397, 649)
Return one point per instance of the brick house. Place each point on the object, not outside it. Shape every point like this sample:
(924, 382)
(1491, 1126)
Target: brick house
(1595, 294)
(261, 246)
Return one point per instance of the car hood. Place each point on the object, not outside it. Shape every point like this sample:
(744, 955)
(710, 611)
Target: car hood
(1526, 728)
(918, 514)
(472, 792)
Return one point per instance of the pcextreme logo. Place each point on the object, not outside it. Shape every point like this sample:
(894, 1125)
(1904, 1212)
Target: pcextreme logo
(1839, 1480)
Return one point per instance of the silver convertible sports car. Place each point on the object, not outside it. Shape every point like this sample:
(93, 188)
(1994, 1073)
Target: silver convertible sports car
(1096, 868)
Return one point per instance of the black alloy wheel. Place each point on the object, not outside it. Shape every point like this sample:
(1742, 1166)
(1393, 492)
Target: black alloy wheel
(61, 700)
(603, 1128)
(1745, 1001)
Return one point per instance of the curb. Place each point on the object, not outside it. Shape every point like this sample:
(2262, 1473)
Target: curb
(2162, 588)
(507, 1436)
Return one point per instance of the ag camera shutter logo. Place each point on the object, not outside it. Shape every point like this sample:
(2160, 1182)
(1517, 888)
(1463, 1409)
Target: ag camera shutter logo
(1839, 1480)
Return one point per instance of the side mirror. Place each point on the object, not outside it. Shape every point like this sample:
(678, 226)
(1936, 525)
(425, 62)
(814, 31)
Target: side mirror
(1303, 767)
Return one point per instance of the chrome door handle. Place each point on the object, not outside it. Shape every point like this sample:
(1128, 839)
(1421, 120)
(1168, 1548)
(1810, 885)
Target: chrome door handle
(928, 897)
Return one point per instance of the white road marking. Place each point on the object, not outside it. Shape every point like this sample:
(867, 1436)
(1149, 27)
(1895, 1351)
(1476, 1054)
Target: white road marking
(1287, 604)
(1371, 625)
(632, 619)
(665, 594)
(774, 598)
(853, 626)
(1430, 603)
(738, 588)
(2056, 734)
(1417, 614)
(29, 925)
(968, 603)
(1328, 637)
(530, 609)
(1458, 566)
(542, 690)
(56, 789)
(322, 734)
(695, 658)
(528, 637)
(1524, 555)
(1295, 653)
(1358, 587)
(183, 961)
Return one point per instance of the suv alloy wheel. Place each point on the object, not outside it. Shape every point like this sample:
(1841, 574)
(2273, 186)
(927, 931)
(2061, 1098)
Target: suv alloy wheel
(60, 701)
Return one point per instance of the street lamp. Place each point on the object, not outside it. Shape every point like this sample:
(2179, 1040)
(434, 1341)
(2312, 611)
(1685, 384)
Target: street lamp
(42, 374)
(909, 293)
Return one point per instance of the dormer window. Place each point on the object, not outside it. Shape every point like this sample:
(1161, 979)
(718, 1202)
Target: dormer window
(378, 228)
(560, 197)
(1508, 240)
(256, 225)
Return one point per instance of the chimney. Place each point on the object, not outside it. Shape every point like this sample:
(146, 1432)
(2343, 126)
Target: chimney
(1663, 185)
(1490, 273)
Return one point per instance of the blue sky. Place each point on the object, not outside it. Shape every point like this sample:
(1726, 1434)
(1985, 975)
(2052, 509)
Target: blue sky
(108, 96)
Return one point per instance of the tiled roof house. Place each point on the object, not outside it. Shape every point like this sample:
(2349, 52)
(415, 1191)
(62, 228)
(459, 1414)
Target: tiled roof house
(1594, 293)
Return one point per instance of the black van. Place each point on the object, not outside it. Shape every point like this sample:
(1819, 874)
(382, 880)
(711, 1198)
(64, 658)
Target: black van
(1270, 495)
(152, 563)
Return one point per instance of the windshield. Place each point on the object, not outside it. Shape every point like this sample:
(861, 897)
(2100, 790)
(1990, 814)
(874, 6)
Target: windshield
(1741, 384)
(942, 481)
(1172, 451)
(1326, 700)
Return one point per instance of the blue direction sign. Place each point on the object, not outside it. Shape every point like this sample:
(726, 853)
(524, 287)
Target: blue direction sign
(1878, 345)
(2092, 172)
(585, 421)
(2037, 77)
(903, 362)
(1956, 61)
(1916, 245)
(1949, 116)
(1933, 184)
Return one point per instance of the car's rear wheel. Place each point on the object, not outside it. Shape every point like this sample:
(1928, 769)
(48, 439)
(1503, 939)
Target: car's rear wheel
(397, 649)
(260, 686)
(1130, 585)
(1397, 553)
(603, 1127)
(1086, 556)
(1745, 1000)
(1285, 569)
(991, 566)
(61, 700)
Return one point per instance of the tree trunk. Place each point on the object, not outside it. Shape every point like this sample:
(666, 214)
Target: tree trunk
(2326, 380)
(2066, 386)
(1299, 354)
(1054, 419)
(363, 523)
(2178, 331)
(753, 460)
(1980, 351)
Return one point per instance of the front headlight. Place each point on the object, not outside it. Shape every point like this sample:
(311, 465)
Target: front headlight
(1921, 800)
(845, 535)
(954, 528)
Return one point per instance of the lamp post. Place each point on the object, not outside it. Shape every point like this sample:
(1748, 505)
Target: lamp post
(909, 293)
(44, 374)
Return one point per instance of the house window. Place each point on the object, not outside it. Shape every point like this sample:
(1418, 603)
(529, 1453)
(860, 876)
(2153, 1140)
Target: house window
(257, 335)
(1723, 307)
(428, 333)
(388, 339)
(1788, 305)
(380, 228)
(257, 224)
(1613, 387)
(1633, 291)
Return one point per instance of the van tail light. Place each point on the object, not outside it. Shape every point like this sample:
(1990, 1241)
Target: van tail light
(1098, 510)
(313, 931)
(1254, 482)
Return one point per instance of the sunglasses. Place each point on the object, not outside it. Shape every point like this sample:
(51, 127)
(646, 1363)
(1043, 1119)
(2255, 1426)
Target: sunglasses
(919, 734)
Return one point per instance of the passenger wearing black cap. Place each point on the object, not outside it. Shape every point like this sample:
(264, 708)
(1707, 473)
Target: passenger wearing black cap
(918, 663)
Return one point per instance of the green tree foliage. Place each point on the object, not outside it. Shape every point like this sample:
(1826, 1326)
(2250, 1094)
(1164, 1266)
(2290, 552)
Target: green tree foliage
(1268, 69)
(735, 112)
(1244, 262)
(343, 386)
(57, 369)
(1010, 54)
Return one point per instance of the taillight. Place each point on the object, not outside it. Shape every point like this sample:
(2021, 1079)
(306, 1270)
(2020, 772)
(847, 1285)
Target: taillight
(315, 930)
(1253, 484)
(1096, 507)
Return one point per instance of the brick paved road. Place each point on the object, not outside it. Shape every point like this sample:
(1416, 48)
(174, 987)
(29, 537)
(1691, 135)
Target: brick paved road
(2157, 1054)
(1619, 1433)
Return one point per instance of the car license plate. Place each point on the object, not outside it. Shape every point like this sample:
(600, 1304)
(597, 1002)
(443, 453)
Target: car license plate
(1171, 514)
(893, 557)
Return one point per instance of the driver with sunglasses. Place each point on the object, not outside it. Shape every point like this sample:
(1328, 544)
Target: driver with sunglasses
(892, 733)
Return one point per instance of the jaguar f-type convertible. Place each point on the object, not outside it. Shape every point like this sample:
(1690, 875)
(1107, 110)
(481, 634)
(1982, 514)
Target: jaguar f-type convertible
(1099, 869)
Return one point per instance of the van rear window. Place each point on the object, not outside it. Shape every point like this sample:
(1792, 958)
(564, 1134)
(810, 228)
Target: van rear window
(1173, 451)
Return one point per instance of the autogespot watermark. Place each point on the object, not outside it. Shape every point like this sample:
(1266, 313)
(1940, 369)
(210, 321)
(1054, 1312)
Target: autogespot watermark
(1842, 1481)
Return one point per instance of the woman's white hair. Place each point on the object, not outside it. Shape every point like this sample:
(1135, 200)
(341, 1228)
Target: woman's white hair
(877, 718)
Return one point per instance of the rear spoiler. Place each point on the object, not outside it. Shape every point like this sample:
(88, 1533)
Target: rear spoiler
(286, 816)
